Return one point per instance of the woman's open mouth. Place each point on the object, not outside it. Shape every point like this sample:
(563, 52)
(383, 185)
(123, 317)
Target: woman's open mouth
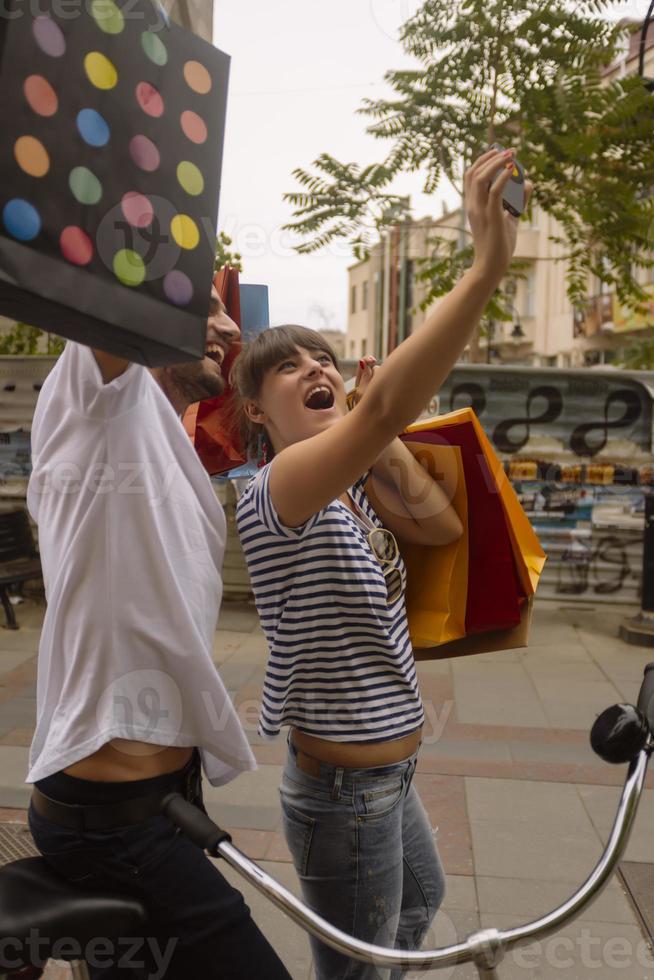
(319, 399)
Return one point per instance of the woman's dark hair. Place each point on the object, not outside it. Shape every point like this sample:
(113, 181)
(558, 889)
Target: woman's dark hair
(266, 351)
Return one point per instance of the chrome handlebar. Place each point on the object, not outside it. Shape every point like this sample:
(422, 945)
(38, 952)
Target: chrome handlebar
(486, 947)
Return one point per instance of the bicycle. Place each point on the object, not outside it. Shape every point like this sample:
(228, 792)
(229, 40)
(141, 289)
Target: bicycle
(34, 900)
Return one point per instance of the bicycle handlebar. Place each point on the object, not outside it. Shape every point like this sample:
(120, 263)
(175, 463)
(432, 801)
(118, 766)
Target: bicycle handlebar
(485, 948)
(195, 823)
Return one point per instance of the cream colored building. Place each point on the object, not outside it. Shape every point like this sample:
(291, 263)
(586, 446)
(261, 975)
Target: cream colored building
(194, 15)
(384, 294)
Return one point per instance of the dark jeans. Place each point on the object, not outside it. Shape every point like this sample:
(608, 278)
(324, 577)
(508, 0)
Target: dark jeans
(198, 925)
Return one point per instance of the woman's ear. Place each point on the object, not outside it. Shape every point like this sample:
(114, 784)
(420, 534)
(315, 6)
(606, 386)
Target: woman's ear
(254, 413)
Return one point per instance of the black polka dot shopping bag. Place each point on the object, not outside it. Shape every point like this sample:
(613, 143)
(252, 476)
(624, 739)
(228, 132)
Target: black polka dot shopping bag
(112, 122)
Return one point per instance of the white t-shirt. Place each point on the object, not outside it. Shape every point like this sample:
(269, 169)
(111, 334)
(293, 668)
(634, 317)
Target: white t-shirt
(132, 540)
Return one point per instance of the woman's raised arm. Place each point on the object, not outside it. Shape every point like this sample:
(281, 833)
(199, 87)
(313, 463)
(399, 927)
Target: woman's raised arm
(310, 474)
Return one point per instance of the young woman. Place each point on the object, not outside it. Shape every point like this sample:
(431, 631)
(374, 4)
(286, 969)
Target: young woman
(329, 585)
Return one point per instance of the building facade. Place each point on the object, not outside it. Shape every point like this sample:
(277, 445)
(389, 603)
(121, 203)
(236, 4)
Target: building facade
(385, 292)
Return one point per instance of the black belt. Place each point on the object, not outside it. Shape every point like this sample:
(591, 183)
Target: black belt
(106, 816)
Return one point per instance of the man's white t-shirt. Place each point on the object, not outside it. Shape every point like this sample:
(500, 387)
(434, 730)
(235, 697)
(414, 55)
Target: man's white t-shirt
(132, 539)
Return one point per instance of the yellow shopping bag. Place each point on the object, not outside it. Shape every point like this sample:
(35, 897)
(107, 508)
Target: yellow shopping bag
(437, 577)
(474, 595)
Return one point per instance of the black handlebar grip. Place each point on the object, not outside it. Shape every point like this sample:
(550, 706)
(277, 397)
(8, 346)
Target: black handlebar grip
(197, 826)
(646, 696)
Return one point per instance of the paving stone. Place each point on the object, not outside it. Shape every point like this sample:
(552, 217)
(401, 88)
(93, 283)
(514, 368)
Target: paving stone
(450, 749)
(20, 640)
(253, 843)
(17, 736)
(553, 752)
(14, 792)
(528, 899)
(278, 849)
(287, 938)
(238, 617)
(460, 894)
(514, 849)
(251, 801)
(601, 804)
(580, 951)
(496, 694)
(443, 798)
(449, 927)
(555, 653)
(574, 703)
(10, 659)
(558, 806)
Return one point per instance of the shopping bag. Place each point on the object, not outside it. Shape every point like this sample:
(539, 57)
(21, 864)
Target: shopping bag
(528, 553)
(212, 424)
(437, 578)
(491, 641)
(112, 120)
(504, 556)
(494, 589)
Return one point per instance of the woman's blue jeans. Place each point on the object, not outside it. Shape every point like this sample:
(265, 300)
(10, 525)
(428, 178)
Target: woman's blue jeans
(364, 851)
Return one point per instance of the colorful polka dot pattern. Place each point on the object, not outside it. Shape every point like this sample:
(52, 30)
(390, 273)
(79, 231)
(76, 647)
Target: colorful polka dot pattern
(40, 95)
(108, 16)
(21, 219)
(31, 156)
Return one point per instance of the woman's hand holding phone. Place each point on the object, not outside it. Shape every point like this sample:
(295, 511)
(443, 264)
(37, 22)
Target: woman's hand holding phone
(494, 230)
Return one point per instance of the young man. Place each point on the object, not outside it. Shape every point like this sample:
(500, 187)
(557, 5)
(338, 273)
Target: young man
(129, 702)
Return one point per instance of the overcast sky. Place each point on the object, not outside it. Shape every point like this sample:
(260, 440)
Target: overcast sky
(300, 69)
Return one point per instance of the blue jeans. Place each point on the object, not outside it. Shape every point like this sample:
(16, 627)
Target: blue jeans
(364, 851)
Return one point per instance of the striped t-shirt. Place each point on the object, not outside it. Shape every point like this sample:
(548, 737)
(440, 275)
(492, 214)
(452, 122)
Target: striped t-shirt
(340, 664)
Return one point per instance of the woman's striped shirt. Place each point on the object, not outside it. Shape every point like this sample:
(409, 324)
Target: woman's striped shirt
(340, 664)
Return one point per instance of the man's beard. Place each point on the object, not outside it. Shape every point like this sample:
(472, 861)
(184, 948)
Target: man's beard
(193, 382)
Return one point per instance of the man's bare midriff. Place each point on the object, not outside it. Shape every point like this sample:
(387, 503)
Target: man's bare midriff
(122, 761)
(357, 755)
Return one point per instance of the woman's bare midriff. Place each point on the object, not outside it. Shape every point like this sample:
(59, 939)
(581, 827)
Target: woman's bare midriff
(357, 755)
(122, 761)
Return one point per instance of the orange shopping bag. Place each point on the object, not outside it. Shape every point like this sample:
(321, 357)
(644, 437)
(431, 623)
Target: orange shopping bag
(437, 578)
(475, 595)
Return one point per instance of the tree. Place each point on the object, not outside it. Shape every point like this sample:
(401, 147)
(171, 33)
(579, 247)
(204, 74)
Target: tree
(21, 340)
(639, 355)
(527, 74)
(223, 254)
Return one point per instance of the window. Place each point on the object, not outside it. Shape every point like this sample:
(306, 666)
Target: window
(352, 347)
(364, 347)
(353, 300)
(364, 295)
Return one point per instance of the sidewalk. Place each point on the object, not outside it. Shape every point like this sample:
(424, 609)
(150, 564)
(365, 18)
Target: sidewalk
(521, 804)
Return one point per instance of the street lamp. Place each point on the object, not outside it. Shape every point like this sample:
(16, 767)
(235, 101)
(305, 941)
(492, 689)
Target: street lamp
(517, 333)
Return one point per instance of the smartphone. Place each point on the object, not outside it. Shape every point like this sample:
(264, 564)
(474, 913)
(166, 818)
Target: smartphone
(513, 198)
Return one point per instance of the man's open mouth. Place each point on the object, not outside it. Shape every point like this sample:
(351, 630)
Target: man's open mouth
(319, 399)
(215, 352)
